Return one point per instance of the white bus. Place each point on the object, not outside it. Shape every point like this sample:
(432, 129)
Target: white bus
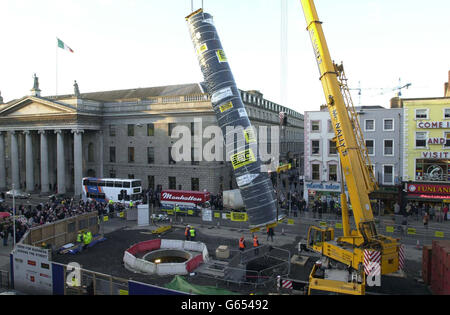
(106, 189)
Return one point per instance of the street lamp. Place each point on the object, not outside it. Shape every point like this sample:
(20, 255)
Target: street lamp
(14, 215)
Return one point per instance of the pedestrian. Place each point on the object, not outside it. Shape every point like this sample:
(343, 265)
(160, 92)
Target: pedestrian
(242, 243)
(425, 220)
(432, 212)
(270, 233)
(256, 244)
(396, 208)
(192, 233)
(439, 216)
(187, 233)
(5, 236)
(445, 211)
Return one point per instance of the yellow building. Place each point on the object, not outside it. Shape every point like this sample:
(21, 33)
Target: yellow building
(426, 149)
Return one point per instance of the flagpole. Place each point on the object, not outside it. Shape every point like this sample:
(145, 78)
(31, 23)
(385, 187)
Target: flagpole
(56, 77)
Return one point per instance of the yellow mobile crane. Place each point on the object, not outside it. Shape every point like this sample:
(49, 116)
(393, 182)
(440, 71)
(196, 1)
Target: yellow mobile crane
(343, 262)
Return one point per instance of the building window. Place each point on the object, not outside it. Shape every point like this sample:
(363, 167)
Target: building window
(151, 182)
(315, 126)
(112, 154)
(112, 130)
(421, 113)
(332, 150)
(330, 126)
(130, 176)
(370, 145)
(112, 174)
(432, 170)
(315, 175)
(195, 184)
(172, 182)
(170, 128)
(150, 130)
(446, 113)
(130, 154)
(388, 174)
(150, 155)
(171, 159)
(369, 125)
(388, 148)
(421, 139)
(130, 130)
(447, 139)
(192, 129)
(388, 124)
(315, 147)
(332, 173)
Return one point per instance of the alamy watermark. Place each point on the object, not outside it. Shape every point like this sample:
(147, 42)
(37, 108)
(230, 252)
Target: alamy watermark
(210, 144)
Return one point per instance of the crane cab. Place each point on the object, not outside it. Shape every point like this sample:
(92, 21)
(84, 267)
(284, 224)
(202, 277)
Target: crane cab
(317, 236)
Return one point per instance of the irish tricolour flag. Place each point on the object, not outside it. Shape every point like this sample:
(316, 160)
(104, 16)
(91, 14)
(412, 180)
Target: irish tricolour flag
(62, 45)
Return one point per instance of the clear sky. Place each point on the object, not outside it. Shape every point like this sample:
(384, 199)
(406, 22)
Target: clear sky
(122, 44)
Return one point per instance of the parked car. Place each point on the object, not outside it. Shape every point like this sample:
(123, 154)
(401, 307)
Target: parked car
(18, 194)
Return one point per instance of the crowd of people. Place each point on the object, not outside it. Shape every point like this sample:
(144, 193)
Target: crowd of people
(29, 216)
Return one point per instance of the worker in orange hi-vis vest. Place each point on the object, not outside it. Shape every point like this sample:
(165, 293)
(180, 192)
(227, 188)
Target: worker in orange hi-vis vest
(242, 243)
(256, 244)
(186, 232)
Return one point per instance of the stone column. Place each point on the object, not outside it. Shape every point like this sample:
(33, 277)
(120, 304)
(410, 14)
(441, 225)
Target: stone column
(60, 163)
(78, 160)
(2, 162)
(29, 166)
(100, 154)
(15, 161)
(44, 162)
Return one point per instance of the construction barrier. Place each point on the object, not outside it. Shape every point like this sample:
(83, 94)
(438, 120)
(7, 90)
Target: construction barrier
(140, 265)
(192, 264)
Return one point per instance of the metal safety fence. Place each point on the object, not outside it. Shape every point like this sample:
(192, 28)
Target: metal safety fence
(5, 282)
(271, 262)
(409, 229)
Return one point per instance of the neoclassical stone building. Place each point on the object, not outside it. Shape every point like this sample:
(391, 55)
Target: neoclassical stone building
(49, 143)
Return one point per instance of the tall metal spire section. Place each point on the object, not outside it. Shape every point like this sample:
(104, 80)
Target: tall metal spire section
(283, 52)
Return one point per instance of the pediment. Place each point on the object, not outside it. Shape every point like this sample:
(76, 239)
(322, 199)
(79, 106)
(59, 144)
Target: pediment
(33, 106)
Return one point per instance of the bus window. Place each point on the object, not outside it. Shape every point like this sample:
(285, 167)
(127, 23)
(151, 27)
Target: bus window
(136, 183)
(109, 184)
(85, 182)
(135, 197)
(126, 184)
(118, 184)
(101, 183)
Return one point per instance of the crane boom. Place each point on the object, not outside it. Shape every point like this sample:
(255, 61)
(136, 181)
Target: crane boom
(350, 249)
(355, 172)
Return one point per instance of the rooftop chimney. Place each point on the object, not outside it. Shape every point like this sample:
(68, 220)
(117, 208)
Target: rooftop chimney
(396, 102)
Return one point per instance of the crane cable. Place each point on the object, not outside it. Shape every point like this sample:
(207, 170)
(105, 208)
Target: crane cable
(192, 5)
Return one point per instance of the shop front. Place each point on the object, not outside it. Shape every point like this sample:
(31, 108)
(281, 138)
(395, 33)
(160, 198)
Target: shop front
(427, 194)
(385, 197)
(325, 191)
